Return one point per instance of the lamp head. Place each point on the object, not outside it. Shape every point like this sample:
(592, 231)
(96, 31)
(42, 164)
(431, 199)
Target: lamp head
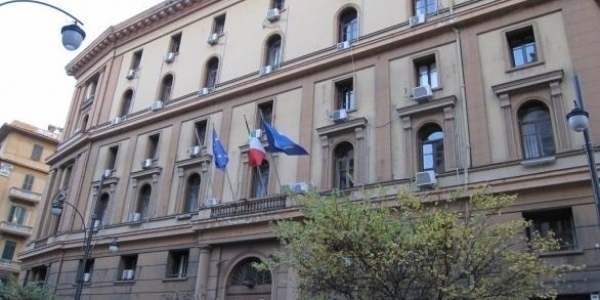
(113, 246)
(72, 36)
(578, 119)
(56, 208)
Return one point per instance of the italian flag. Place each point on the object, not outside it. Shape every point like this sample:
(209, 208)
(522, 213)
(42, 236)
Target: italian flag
(256, 154)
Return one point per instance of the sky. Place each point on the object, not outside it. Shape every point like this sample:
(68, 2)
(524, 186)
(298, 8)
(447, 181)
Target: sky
(34, 86)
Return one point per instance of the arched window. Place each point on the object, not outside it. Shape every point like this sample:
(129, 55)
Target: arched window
(212, 67)
(246, 274)
(431, 138)
(101, 208)
(84, 122)
(348, 26)
(537, 138)
(192, 193)
(126, 103)
(144, 201)
(344, 166)
(166, 88)
(260, 180)
(273, 51)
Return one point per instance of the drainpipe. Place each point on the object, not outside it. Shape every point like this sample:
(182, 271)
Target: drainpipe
(463, 94)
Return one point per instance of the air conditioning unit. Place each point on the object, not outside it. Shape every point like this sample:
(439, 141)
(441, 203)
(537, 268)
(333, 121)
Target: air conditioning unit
(213, 39)
(264, 70)
(257, 133)
(296, 187)
(194, 151)
(594, 296)
(339, 115)
(116, 120)
(87, 277)
(343, 45)
(211, 201)
(169, 57)
(425, 179)
(134, 217)
(89, 97)
(130, 74)
(156, 105)
(97, 224)
(147, 163)
(106, 173)
(203, 91)
(422, 93)
(416, 20)
(273, 15)
(128, 274)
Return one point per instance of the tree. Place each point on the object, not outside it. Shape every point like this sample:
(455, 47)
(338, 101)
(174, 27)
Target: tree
(407, 248)
(12, 290)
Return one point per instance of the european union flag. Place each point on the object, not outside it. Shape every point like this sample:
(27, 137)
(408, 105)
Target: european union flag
(221, 158)
(278, 142)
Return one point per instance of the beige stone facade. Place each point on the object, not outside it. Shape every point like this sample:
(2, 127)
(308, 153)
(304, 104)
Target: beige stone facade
(23, 151)
(381, 93)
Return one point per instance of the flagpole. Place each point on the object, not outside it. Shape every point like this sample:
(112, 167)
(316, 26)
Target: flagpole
(260, 179)
(230, 185)
(271, 156)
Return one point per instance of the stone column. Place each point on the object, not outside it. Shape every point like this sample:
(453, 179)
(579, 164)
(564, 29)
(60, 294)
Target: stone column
(508, 124)
(202, 273)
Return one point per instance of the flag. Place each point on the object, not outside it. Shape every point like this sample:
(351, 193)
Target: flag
(219, 152)
(278, 142)
(256, 154)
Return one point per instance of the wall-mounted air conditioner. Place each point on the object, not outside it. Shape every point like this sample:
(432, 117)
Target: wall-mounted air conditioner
(339, 115)
(89, 98)
(147, 163)
(128, 274)
(273, 15)
(169, 57)
(416, 20)
(211, 201)
(116, 120)
(422, 93)
(203, 91)
(87, 277)
(134, 217)
(194, 151)
(97, 224)
(130, 74)
(264, 70)
(107, 173)
(425, 179)
(213, 39)
(257, 133)
(156, 105)
(343, 45)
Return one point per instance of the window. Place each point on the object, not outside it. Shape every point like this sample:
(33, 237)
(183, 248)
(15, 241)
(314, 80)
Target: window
(153, 143)
(137, 60)
(424, 7)
(348, 26)
(344, 166)
(212, 68)
(112, 157)
(177, 263)
(101, 208)
(90, 89)
(16, 214)
(126, 103)
(166, 88)
(87, 269)
(66, 178)
(522, 47)
(38, 274)
(431, 138)
(219, 25)
(127, 267)
(28, 182)
(175, 43)
(277, 4)
(36, 153)
(260, 180)
(265, 112)
(5, 169)
(246, 274)
(535, 124)
(273, 51)
(84, 122)
(144, 201)
(192, 193)
(9, 250)
(200, 133)
(558, 221)
(426, 70)
(345, 94)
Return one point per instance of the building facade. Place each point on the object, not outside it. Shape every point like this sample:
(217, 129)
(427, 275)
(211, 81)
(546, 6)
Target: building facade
(23, 150)
(397, 94)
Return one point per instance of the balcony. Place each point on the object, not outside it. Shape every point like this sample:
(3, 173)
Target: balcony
(15, 229)
(248, 207)
(10, 265)
(24, 195)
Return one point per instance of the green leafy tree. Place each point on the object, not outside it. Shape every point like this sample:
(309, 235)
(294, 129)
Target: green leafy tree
(407, 248)
(12, 290)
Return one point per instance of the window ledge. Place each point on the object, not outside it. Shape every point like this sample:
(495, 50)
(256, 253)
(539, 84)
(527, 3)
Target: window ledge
(525, 66)
(174, 279)
(136, 223)
(184, 216)
(562, 253)
(538, 161)
(124, 282)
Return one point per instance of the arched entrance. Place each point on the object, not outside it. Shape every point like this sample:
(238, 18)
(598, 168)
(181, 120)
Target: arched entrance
(247, 283)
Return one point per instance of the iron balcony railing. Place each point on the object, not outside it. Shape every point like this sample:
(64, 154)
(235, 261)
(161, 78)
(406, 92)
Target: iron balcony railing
(248, 207)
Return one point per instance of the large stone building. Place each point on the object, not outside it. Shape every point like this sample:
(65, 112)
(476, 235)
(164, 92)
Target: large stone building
(460, 92)
(23, 149)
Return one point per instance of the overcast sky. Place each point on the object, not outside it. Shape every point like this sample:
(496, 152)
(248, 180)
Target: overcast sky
(34, 87)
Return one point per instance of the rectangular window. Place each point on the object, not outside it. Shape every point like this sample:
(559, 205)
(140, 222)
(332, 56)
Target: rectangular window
(5, 169)
(424, 7)
(522, 47)
(177, 263)
(277, 4)
(112, 157)
(28, 182)
(426, 71)
(9, 250)
(38, 274)
(175, 43)
(558, 221)
(345, 94)
(265, 112)
(127, 267)
(153, 142)
(219, 25)
(200, 133)
(66, 179)
(16, 214)
(87, 270)
(260, 180)
(36, 153)
(136, 60)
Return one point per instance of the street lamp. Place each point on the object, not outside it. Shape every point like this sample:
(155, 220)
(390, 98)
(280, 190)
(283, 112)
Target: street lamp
(57, 209)
(72, 35)
(578, 120)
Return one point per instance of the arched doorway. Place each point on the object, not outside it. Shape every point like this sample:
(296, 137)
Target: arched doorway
(247, 283)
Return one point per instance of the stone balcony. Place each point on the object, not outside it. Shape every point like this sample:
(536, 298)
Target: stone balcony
(15, 229)
(10, 265)
(25, 196)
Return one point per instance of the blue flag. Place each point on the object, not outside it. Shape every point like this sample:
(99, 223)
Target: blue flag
(278, 142)
(221, 158)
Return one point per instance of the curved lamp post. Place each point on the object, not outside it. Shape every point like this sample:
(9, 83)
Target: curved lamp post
(57, 209)
(72, 35)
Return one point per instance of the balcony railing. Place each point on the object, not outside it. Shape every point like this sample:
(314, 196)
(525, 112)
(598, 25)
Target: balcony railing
(248, 207)
(15, 228)
(25, 195)
(10, 265)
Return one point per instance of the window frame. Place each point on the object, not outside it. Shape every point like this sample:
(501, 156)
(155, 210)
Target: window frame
(274, 51)
(192, 193)
(219, 24)
(279, 4)
(175, 43)
(349, 168)
(126, 103)
(211, 72)
(427, 4)
(36, 152)
(113, 154)
(153, 146)
(136, 60)
(87, 268)
(127, 262)
(259, 182)
(346, 22)
(540, 127)
(177, 260)
(200, 133)
(166, 88)
(8, 244)
(508, 55)
(102, 208)
(18, 213)
(28, 182)
(437, 154)
(142, 204)
(341, 87)
(554, 215)
(264, 111)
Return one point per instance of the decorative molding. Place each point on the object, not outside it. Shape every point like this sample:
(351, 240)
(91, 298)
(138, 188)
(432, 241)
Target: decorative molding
(518, 85)
(442, 103)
